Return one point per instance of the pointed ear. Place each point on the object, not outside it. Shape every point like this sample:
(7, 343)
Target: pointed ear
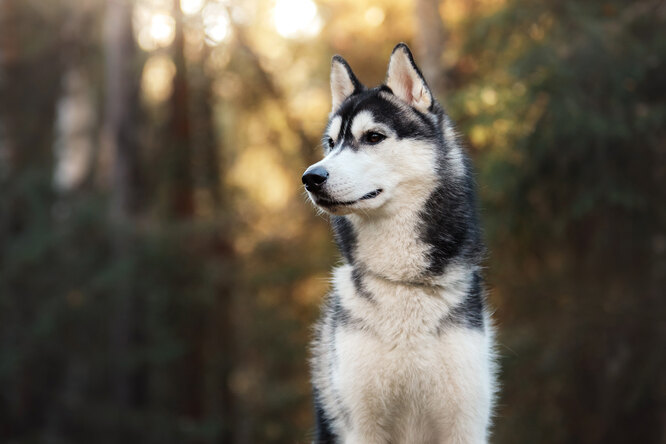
(343, 82)
(406, 81)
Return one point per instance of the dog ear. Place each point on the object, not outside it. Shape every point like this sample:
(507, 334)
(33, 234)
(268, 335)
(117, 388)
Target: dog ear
(406, 81)
(343, 82)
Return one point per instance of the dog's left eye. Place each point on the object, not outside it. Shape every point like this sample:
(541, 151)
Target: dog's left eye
(372, 137)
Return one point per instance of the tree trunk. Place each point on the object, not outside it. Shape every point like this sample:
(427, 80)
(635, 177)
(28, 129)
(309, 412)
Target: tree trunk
(120, 138)
(220, 323)
(121, 106)
(179, 182)
(430, 36)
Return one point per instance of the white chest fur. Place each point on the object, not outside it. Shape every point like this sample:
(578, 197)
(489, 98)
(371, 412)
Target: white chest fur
(397, 375)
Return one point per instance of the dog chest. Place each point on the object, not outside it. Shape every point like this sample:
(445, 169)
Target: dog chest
(397, 353)
(416, 384)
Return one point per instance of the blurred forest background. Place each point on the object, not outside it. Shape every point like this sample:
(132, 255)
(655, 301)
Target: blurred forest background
(160, 268)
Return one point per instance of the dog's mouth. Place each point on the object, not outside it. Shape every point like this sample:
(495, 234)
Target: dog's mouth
(326, 202)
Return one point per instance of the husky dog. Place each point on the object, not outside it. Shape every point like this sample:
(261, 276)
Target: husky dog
(403, 351)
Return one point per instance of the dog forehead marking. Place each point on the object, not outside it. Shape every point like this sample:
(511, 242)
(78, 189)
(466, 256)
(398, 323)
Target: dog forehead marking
(362, 122)
(334, 127)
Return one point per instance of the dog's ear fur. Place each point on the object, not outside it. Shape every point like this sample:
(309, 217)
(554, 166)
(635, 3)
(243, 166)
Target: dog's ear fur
(343, 82)
(406, 81)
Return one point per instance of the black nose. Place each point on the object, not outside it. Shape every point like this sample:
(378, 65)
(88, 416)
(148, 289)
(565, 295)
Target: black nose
(314, 178)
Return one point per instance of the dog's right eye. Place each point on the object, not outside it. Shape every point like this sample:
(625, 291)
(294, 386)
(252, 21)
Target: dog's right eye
(331, 142)
(373, 138)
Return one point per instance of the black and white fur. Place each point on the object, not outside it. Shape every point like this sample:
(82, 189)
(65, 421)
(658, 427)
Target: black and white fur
(403, 352)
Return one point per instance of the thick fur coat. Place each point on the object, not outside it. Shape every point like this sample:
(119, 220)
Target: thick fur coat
(403, 352)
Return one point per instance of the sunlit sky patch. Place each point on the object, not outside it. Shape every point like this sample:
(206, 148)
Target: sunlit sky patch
(162, 29)
(191, 7)
(216, 23)
(296, 18)
(155, 28)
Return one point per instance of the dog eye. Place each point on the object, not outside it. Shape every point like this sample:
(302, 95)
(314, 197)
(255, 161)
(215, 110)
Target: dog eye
(372, 137)
(330, 142)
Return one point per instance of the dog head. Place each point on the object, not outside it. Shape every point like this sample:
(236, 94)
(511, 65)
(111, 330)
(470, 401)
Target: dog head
(383, 146)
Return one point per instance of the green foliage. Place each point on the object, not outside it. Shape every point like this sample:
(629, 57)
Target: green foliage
(573, 192)
(61, 291)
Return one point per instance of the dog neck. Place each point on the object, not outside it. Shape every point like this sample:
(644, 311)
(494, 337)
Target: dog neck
(410, 247)
(388, 247)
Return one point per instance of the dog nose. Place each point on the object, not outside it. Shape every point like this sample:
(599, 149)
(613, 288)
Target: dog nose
(314, 178)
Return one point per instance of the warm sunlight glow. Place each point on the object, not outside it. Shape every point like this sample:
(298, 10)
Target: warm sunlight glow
(216, 23)
(162, 27)
(157, 78)
(296, 18)
(374, 16)
(259, 172)
(489, 96)
(154, 28)
(191, 7)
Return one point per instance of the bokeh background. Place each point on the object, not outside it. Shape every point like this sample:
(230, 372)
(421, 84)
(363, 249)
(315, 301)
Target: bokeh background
(160, 268)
